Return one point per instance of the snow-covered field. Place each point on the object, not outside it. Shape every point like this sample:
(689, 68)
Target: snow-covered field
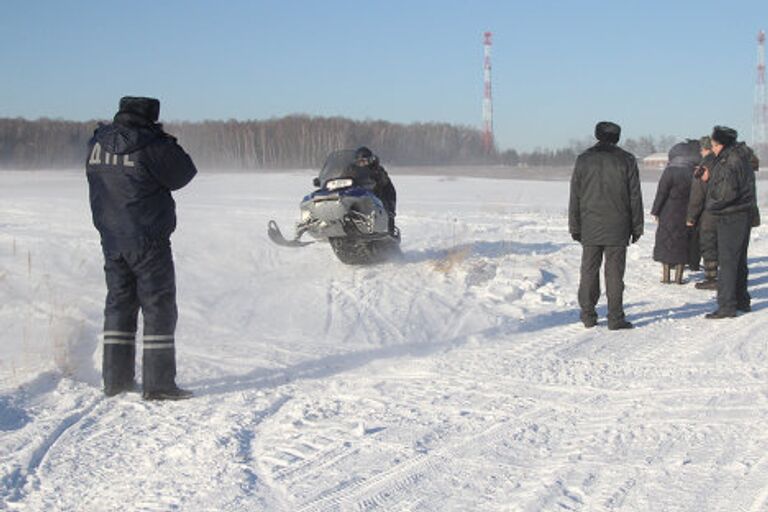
(456, 379)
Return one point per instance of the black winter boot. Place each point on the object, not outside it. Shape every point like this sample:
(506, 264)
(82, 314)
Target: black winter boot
(589, 318)
(710, 276)
(679, 274)
(118, 367)
(720, 313)
(622, 324)
(665, 273)
(175, 393)
(159, 373)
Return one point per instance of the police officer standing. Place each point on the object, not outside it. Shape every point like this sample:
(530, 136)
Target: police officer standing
(731, 200)
(132, 167)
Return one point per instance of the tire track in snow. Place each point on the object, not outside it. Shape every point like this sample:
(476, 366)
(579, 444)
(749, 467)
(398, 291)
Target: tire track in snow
(245, 434)
(389, 485)
(528, 346)
(296, 459)
(17, 480)
(360, 304)
(611, 416)
(342, 301)
(752, 493)
(619, 414)
(190, 455)
(306, 439)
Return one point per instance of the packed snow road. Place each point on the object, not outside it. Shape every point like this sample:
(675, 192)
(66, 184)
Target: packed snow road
(456, 378)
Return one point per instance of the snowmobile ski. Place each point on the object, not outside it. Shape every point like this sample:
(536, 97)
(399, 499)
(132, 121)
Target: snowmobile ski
(277, 237)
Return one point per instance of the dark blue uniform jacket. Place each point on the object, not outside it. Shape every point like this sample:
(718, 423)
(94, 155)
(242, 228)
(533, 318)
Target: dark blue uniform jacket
(132, 169)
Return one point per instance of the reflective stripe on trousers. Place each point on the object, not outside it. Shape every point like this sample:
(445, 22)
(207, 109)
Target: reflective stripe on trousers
(119, 338)
(158, 341)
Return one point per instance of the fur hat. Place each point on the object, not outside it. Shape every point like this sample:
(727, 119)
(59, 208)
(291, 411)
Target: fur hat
(146, 108)
(706, 142)
(724, 135)
(685, 152)
(606, 131)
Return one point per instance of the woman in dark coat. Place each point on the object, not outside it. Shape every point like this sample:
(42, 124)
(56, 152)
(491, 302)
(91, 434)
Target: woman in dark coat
(670, 208)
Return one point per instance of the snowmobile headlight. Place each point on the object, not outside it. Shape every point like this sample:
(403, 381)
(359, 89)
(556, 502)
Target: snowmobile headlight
(337, 184)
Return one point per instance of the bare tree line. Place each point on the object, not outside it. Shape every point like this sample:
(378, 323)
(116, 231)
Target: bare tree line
(563, 157)
(42, 144)
(284, 143)
(293, 142)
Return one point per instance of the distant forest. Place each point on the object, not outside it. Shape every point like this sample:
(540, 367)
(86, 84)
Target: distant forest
(293, 142)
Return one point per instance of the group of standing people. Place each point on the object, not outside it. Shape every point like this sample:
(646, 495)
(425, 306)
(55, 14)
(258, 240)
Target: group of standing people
(705, 206)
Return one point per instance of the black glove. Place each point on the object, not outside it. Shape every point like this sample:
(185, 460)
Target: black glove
(635, 238)
(576, 237)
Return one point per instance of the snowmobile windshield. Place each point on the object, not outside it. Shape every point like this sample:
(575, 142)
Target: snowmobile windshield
(342, 164)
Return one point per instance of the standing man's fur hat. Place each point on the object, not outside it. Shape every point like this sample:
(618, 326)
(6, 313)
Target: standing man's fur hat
(724, 135)
(146, 108)
(606, 131)
(686, 152)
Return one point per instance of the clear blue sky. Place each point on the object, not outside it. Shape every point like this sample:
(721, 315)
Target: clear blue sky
(655, 67)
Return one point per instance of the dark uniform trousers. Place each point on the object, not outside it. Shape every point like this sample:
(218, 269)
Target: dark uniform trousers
(733, 232)
(589, 285)
(708, 236)
(140, 278)
(694, 248)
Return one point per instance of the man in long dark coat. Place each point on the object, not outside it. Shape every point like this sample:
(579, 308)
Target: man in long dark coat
(605, 212)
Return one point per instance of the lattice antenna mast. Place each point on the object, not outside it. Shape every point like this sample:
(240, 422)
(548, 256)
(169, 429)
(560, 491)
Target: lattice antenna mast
(760, 121)
(487, 98)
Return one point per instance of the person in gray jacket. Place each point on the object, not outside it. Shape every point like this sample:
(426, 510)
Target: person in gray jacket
(701, 220)
(605, 212)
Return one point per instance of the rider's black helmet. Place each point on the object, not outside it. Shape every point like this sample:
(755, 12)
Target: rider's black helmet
(365, 157)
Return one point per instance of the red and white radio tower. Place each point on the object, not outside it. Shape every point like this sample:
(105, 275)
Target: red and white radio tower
(760, 121)
(487, 101)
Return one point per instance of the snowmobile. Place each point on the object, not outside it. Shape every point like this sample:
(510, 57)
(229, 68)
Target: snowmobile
(344, 212)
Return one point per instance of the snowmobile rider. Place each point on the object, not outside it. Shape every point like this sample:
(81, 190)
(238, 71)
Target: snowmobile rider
(383, 188)
(132, 167)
